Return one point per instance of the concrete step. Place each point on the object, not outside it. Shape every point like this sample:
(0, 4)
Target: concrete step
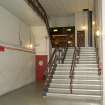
(64, 65)
(86, 65)
(59, 90)
(87, 48)
(85, 72)
(82, 59)
(95, 98)
(54, 85)
(77, 68)
(61, 76)
(75, 91)
(76, 81)
(88, 77)
(76, 86)
(59, 72)
(86, 92)
(88, 56)
(83, 81)
(84, 52)
(67, 62)
(62, 72)
(86, 86)
(81, 62)
(68, 57)
(63, 68)
(89, 59)
(87, 62)
(61, 81)
(86, 68)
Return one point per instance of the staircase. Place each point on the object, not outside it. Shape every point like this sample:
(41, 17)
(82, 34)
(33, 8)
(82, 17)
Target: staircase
(86, 82)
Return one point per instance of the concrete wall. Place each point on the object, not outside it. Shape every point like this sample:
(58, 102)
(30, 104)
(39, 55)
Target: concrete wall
(41, 40)
(100, 40)
(103, 40)
(98, 14)
(16, 67)
(62, 21)
(102, 2)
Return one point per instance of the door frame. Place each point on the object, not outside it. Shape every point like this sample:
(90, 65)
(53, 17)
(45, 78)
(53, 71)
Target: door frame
(82, 31)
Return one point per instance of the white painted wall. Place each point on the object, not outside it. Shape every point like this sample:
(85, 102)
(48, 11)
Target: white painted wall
(16, 70)
(103, 47)
(16, 67)
(11, 27)
(62, 21)
(100, 39)
(98, 13)
(41, 40)
(81, 20)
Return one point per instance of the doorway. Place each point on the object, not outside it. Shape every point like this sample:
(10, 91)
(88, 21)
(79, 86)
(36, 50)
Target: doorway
(81, 38)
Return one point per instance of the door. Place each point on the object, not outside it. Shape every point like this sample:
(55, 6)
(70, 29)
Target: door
(81, 38)
(41, 63)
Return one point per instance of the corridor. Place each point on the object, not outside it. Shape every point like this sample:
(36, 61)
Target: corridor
(52, 52)
(32, 95)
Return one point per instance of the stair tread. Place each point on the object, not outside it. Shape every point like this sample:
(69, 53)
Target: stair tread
(69, 95)
(76, 84)
(74, 89)
(96, 75)
(76, 80)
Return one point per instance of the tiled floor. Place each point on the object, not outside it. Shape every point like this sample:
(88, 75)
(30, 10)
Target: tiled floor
(31, 95)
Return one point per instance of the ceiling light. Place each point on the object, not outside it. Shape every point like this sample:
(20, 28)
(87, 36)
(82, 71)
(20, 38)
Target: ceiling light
(30, 46)
(69, 42)
(93, 22)
(97, 33)
(84, 27)
(69, 29)
(55, 30)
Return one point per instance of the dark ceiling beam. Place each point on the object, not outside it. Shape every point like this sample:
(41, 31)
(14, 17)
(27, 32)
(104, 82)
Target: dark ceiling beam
(37, 7)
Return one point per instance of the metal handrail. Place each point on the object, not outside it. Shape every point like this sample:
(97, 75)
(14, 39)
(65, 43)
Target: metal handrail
(51, 68)
(97, 56)
(72, 69)
(97, 60)
(64, 54)
(74, 59)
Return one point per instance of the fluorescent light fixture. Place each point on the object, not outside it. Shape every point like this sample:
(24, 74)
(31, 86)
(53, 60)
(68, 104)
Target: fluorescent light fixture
(55, 30)
(69, 29)
(69, 42)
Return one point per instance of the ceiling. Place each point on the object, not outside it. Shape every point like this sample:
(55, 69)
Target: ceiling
(21, 9)
(65, 7)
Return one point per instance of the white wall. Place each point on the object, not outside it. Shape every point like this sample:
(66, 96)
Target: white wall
(103, 46)
(11, 27)
(81, 19)
(62, 21)
(98, 13)
(41, 40)
(100, 39)
(16, 67)
(16, 70)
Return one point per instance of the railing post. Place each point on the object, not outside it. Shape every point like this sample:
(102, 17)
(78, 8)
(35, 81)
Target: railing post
(74, 61)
